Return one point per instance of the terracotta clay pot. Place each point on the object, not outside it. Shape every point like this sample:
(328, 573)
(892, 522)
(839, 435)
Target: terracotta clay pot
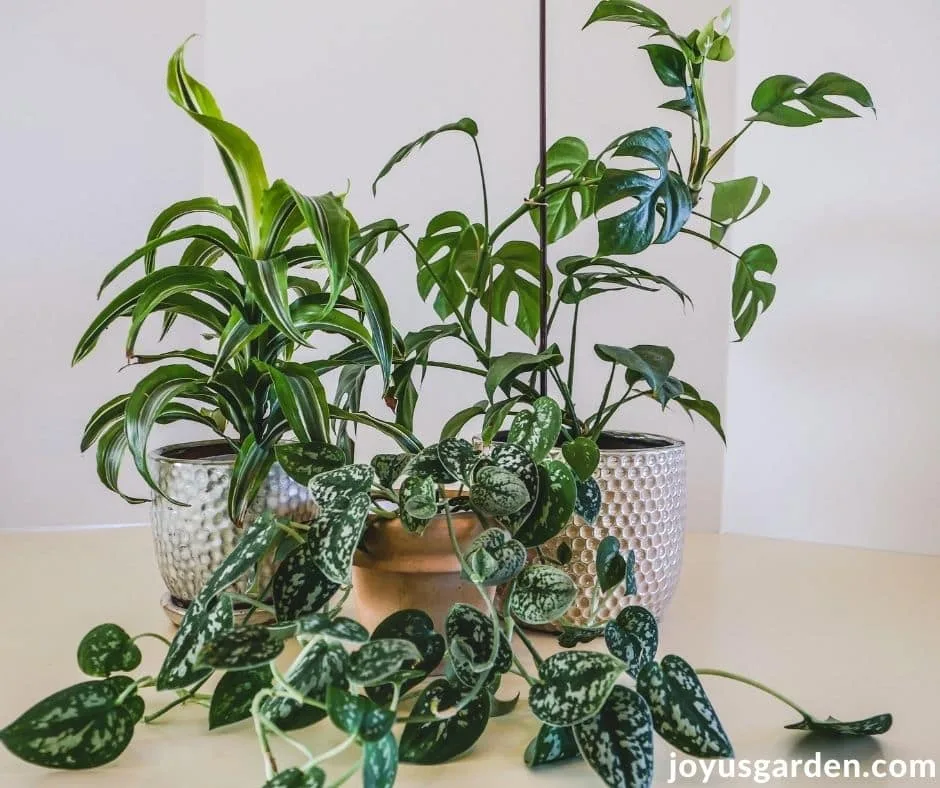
(399, 570)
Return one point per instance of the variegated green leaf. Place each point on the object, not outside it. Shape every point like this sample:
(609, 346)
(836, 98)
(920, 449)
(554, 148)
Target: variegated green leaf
(389, 468)
(551, 745)
(250, 548)
(107, 649)
(112, 445)
(871, 726)
(267, 284)
(418, 502)
(517, 461)
(611, 565)
(541, 594)
(311, 777)
(461, 418)
(438, 742)
(335, 534)
(494, 417)
(202, 621)
(633, 637)
(417, 627)
(80, 727)
(506, 557)
(404, 438)
(630, 575)
(303, 400)
(331, 489)
(303, 461)
(588, 500)
(498, 492)
(573, 686)
(356, 714)
(380, 762)
(553, 506)
(618, 742)
(340, 628)
(234, 694)
(537, 430)
(574, 636)
(474, 632)
(583, 456)
(378, 660)
(320, 665)
(458, 458)
(682, 713)
(300, 588)
(252, 465)
(242, 648)
(427, 462)
(508, 367)
(377, 315)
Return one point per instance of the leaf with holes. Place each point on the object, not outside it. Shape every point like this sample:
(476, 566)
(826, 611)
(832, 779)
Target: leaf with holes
(551, 745)
(335, 534)
(303, 461)
(243, 648)
(567, 208)
(516, 460)
(611, 566)
(438, 742)
(750, 296)
(448, 257)
(618, 742)
(583, 456)
(107, 649)
(378, 660)
(415, 626)
(514, 271)
(389, 468)
(474, 631)
(588, 500)
(417, 499)
(498, 492)
(320, 665)
(554, 505)
(662, 198)
(586, 277)
(380, 762)
(541, 594)
(80, 727)
(234, 694)
(203, 620)
(537, 430)
(871, 726)
(506, 369)
(340, 628)
(774, 98)
(300, 588)
(633, 637)
(507, 557)
(458, 458)
(573, 686)
(733, 201)
(652, 363)
(682, 713)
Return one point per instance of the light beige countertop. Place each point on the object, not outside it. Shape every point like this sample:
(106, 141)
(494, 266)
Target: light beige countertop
(841, 631)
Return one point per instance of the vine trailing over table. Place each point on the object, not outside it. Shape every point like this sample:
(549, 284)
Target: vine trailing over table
(364, 683)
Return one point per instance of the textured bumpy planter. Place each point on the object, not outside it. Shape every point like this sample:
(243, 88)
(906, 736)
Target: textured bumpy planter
(191, 541)
(643, 486)
(399, 570)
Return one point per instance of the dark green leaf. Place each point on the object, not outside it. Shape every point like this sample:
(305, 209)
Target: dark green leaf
(507, 368)
(312, 777)
(751, 296)
(449, 256)
(437, 742)
(554, 505)
(541, 594)
(475, 631)
(567, 208)
(242, 648)
(574, 636)
(460, 419)
(774, 98)
(203, 620)
(377, 315)
(573, 686)
(588, 500)
(404, 438)
(669, 64)
(252, 465)
(563, 554)
(428, 463)
(682, 713)
(872, 726)
(80, 727)
(652, 363)
(514, 271)
(234, 694)
(107, 649)
(663, 197)
(380, 762)
(611, 566)
(389, 468)
(378, 660)
(536, 431)
(551, 745)
(583, 456)
(618, 742)
(586, 277)
(417, 627)
(303, 461)
(628, 11)
(707, 410)
(633, 637)
(458, 458)
(341, 628)
(501, 708)
(465, 125)
(320, 665)
(495, 416)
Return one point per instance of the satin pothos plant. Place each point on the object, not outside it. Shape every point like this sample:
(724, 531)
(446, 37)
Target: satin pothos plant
(405, 693)
(257, 295)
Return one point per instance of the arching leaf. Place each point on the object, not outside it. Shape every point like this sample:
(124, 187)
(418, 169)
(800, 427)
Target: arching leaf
(465, 125)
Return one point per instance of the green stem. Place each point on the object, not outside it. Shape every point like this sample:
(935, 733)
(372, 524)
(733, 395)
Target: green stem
(146, 681)
(486, 203)
(536, 657)
(457, 367)
(270, 765)
(756, 685)
(531, 203)
(153, 635)
(687, 231)
(178, 702)
(604, 418)
(346, 775)
(253, 603)
(718, 154)
(605, 397)
(343, 745)
(566, 395)
(573, 348)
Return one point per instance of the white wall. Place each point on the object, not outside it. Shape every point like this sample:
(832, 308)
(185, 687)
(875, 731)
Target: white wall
(90, 150)
(833, 426)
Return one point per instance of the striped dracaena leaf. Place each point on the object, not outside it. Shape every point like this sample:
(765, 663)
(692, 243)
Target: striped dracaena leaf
(376, 311)
(554, 505)
(107, 649)
(213, 237)
(280, 217)
(377, 661)
(682, 713)
(267, 283)
(335, 534)
(303, 399)
(252, 465)
(194, 308)
(496, 552)
(300, 588)
(242, 648)
(325, 217)
(404, 438)
(203, 620)
(498, 492)
(617, 743)
(80, 727)
(112, 444)
(183, 208)
(551, 745)
(240, 156)
(234, 338)
(102, 418)
(437, 742)
(321, 664)
(573, 686)
(541, 594)
(633, 637)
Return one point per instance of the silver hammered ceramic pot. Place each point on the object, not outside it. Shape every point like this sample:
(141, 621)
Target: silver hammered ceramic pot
(643, 503)
(190, 541)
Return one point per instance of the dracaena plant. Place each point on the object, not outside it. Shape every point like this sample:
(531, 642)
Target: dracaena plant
(379, 689)
(258, 295)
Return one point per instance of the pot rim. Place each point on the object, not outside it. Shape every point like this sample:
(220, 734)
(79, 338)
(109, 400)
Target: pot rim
(161, 454)
(671, 443)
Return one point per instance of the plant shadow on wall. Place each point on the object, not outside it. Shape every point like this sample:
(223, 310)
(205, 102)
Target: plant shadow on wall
(602, 706)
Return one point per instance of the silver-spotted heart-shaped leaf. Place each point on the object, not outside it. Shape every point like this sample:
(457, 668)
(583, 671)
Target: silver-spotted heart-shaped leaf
(331, 489)
(553, 507)
(633, 637)
(107, 649)
(389, 468)
(80, 727)
(202, 622)
(427, 462)
(437, 742)
(335, 534)
(629, 580)
(300, 588)
(618, 742)
(357, 714)
(320, 665)
(458, 458)
(551, 745)
(498, 492)
(611, 565)
(418, 502)
(312, 777)
(871, 726)
(573, 686)
(588, 500)
(340, 628)
(506, 557)
(541, 594)
(517, 461)
(573, 636)
(303, 461)
(473, 631)
(380, 762)
(242, 648)
(537, 430)
(378, 660)
(416, 626)
(247, 552)
(682, 713)
(234, 694)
